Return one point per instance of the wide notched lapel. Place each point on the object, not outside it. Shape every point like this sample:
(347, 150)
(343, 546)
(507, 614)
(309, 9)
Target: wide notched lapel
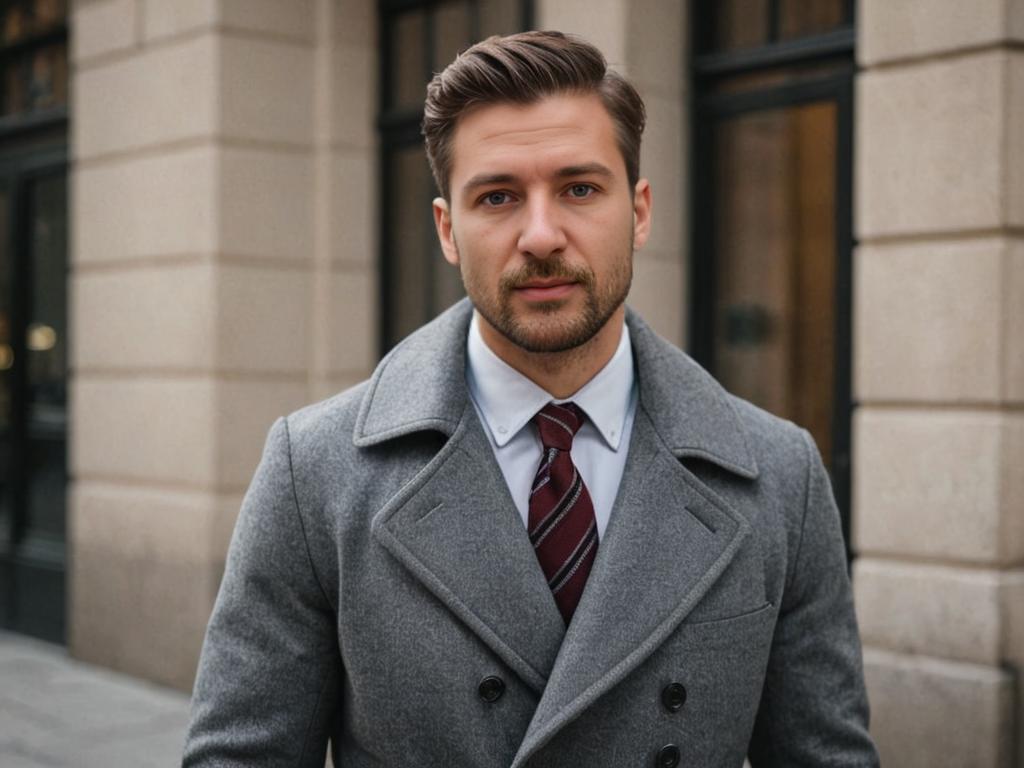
(455, 527)
(667, 542)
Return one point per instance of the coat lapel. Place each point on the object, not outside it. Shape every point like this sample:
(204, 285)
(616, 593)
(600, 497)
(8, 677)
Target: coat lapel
(456, 530)
(455, 526)
(668, 540)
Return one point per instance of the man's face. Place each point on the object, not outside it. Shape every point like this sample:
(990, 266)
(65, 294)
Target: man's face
(542, 221)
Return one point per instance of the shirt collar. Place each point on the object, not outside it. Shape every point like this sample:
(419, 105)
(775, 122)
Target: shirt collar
(508, 400)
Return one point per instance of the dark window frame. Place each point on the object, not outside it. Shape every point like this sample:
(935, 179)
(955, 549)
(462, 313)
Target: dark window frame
(33, 565)
(708, 69)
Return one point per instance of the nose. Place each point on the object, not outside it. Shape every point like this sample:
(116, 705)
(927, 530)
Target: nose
(542, 234)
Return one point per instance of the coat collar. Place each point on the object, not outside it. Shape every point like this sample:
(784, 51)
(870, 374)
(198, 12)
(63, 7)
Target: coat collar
(421, 385)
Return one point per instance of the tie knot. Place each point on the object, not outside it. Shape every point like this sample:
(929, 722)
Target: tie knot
(558, 424)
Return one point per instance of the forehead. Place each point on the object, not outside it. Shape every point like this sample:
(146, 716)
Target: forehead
(565, 129)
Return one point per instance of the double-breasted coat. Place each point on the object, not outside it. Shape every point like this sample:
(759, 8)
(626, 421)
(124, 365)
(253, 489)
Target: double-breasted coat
(381, 593)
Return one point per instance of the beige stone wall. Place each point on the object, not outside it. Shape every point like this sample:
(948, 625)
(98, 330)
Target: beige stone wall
(646, 40)
(222, 274)
(939, 373)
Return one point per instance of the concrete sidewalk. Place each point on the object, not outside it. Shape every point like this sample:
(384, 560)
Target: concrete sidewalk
(59, 713)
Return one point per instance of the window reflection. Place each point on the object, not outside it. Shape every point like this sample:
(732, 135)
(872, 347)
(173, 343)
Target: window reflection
(776, 262)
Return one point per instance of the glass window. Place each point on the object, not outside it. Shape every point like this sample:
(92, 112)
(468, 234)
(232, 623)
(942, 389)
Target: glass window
(451, 32)
(775, 265)
(739, 24)
(33, 56)
(803, 18)
(736, 25)
(46, 352)
(408, 60)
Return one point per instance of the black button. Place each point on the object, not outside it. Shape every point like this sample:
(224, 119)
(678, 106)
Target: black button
(491, 688)
(668, 756)
(673, 696)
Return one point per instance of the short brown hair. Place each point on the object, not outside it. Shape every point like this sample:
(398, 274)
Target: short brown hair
(522, 69)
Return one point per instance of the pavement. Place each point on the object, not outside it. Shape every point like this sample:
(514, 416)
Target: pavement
(56, 712)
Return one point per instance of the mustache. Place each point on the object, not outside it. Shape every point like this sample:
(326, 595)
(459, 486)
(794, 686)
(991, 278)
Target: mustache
(551, 268)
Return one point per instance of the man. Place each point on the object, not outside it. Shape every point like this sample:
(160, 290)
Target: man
(539, 535)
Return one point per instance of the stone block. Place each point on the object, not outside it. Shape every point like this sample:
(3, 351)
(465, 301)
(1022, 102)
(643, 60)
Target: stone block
(245, 409)
(351, 337)
(602, 22)
(352, 207)
(190, 432)
(136, 522)
(355, 21)
(143, 617)
(939, 484)
(291, 18)
(1015, 25)
(143, 578)
(101, 28)
(266, 203)
(1014, 133)
(662, 163)
(890, 31)
(657, 294)
(931, 147)
(927, 713)
(162, 19)
(657, 46)
(329, 384)
(266, 90)
(161, 430)
(151, 317)
(145, 206)
(930, 321)
(934, 610)
(262, 318)
(1012, 489)
(161, 95)
(354, 75)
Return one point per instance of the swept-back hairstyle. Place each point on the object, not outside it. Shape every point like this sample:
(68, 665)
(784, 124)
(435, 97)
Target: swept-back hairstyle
(522, 69)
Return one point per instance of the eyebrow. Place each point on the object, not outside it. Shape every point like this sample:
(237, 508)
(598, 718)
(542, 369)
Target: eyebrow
(487, 179)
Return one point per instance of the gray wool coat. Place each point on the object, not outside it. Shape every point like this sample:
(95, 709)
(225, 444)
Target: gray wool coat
(379, 572)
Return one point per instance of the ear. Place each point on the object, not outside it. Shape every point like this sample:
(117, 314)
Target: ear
(443, 223)
(641, 213)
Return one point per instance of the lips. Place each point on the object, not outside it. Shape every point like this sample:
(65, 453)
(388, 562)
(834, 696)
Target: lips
(546, 290)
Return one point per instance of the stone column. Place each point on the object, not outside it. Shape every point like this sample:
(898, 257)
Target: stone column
(220, 277)
(939, 343)
(646, 41)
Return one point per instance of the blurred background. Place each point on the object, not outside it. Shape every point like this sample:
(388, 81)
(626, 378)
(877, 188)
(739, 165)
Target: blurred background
(215, 211)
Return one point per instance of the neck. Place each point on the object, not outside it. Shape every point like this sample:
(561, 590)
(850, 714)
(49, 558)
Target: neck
(562, 374)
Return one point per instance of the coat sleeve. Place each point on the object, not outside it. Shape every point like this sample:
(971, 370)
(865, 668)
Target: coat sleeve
(814, 709)
(266, 690)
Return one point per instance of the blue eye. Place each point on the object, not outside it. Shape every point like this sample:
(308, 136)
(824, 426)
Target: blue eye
(581, 191)
(496, 198)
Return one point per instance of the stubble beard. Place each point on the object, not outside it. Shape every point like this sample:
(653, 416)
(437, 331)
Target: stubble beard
(543, 330)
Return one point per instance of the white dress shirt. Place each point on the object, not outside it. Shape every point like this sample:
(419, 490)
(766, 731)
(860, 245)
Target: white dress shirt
(507, 401)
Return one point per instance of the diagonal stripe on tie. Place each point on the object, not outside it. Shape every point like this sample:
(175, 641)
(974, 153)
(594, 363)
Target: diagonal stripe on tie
(562, 526)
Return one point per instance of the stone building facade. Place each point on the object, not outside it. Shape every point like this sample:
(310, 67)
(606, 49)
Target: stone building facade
(225, 200)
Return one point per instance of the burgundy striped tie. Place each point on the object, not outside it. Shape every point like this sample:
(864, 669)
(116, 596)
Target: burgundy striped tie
(562, 526)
